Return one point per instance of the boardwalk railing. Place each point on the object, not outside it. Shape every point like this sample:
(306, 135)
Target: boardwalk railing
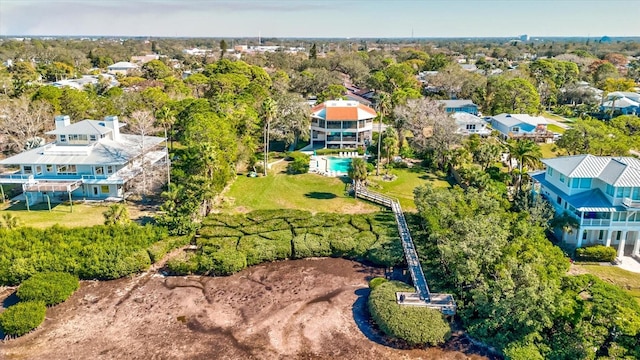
(443, 302)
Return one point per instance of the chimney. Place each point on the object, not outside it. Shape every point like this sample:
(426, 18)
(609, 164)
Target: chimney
(112, 123)
(62, 121)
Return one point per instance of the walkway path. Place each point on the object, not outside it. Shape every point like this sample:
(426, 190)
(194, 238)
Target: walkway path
(443, 302)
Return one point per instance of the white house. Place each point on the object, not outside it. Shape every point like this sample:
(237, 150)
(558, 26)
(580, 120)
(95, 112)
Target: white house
(627, 103)
(89, 159)
(602, 193)
(122, 67)
(341, 124)
(469, 124)
(521, 126)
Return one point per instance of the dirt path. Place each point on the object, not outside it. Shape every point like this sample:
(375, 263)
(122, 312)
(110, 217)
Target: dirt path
(302, 309)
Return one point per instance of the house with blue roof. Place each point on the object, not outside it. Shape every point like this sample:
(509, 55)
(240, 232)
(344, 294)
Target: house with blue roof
(602, 193)
(89, 159)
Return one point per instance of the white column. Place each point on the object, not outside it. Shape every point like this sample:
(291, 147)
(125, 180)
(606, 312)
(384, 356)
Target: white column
(623, 237)
(580, 236)
(608, 242)
(636, 243)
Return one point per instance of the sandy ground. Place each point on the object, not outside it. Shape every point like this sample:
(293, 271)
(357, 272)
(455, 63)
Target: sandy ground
(302, 309)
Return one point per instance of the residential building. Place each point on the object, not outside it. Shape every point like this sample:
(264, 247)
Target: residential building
(341, 124)
(602, 193)
(461, 105)
(143, 59)
(624, 102)
(469, 124)
(522, 126)
(122, 67)
(89, 159)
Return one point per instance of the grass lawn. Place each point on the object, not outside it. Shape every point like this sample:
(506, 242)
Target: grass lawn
(556, 129)
(627, 280)
(279, 190)
(547, 151)
(40, 217)
(555, 117)
(402, 187)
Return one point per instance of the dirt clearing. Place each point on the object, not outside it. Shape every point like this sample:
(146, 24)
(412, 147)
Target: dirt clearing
(302, 309)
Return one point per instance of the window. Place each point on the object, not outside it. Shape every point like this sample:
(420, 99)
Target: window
(66, 170)
(104, 189)
(110, 169)
(609, 190)
(471, 126)
(515, 129)
(38, 169)
(92, 138)
(49, 168)
(27, 169)
(99, 170)
(559, 200)
(575, 183)
(550, 171)
(585, 183)
(63, 138)
(561, 178)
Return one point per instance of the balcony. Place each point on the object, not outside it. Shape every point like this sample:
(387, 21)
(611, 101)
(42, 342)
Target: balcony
(15, 178)
(631, 204)
(596, 222)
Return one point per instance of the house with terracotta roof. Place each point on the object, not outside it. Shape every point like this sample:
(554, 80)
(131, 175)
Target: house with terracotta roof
(341, 124)
(602, 193)
(89, 159)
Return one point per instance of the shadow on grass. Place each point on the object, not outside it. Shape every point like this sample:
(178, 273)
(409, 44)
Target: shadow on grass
(10, 300)
(320, 195)
(20, 206)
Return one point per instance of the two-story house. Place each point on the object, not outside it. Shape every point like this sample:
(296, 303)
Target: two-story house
(623, 102)
(89, 159)
(457, 106)
(341, 124)
(521, 126)
(602, 193)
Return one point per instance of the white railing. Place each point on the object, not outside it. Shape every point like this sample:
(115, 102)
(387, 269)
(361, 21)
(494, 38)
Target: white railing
(16, 178)
(628, 202)
(596, 222)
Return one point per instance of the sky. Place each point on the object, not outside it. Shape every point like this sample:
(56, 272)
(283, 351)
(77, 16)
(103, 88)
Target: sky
(314, 18)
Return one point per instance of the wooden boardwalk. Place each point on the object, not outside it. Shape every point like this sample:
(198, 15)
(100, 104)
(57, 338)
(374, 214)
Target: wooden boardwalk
(422, 297)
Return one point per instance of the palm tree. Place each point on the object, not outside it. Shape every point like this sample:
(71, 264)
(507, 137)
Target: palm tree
(384, 104)
(526, 153)
(9, 221)
(269, 109)
(116, 214)
(566, 222)
(390, 144)
(358, 173)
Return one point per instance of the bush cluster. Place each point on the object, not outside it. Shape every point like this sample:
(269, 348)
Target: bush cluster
(98, 252)
(22, 317)
(414, 324)
(229, 243)
(49, 287)
(338, 151)
(299, 163)
(597, 253)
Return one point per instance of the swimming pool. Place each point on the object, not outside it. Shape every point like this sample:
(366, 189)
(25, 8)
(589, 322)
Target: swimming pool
(339, 164)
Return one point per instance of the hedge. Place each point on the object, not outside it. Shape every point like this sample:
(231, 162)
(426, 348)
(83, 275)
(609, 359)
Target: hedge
(598, 253)
(22, 317)
(271, 235)
(50, 287)
(299, 163)
(414, 324)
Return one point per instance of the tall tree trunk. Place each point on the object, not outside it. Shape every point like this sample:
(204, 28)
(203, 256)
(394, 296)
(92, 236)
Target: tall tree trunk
(379, 143)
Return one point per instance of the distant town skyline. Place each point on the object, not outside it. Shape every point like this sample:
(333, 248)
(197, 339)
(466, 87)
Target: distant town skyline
(314, 18)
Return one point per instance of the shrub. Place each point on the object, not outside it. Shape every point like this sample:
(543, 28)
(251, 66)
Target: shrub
(184, 265)
(22, 317)
(50, 287)
(375, 282)
(414, 324)
(599, 253)
(299, 163)
(158, 250)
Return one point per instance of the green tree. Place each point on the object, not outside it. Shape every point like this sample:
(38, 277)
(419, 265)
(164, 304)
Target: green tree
(358, 173)
(117, 214)
(390, 142)
(313, 52)
(527, 154)
(384, 106)
(156, 70)
(512, 95)
(223, 48)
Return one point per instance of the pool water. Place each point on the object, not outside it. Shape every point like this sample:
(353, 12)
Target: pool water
(339, 164)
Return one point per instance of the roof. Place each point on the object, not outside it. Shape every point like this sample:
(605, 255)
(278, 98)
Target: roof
(621, 103)
(122, 65)
(615, 171)
(466, 118)
(515, 119)
(457, 103)
(342, 110)
(105, 151)
(624, 94)
(86, 127)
